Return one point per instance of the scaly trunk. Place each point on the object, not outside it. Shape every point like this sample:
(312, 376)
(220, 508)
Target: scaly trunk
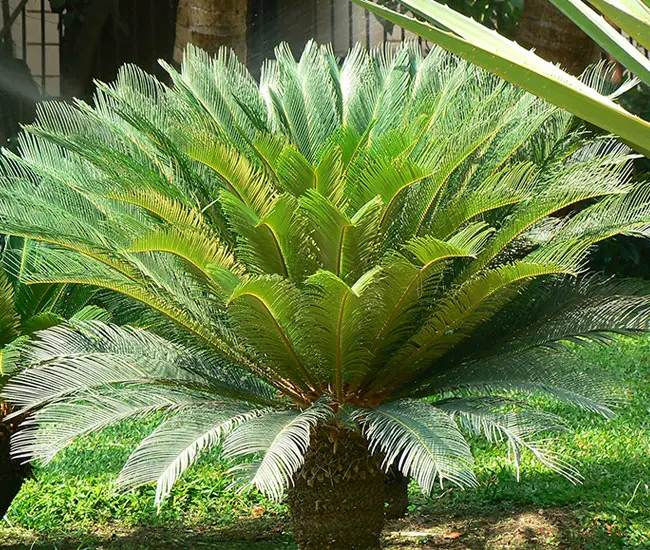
(555, 37)
(397, 494)
(210, 24)
(337, 500)
(12, 474)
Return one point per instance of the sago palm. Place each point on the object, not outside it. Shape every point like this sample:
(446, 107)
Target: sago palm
(23, 311)
(312, 257)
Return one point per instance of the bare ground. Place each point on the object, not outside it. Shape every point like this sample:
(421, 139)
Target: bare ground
(498, 529)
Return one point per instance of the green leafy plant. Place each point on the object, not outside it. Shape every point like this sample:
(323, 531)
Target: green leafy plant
(311, 257)
(463, 36)
(501, 15)
(23, 311)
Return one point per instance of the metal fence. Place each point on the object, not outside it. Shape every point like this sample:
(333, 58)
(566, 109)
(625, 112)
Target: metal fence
(136, 31)
(339, 22)
(33, 33)
(37, 36)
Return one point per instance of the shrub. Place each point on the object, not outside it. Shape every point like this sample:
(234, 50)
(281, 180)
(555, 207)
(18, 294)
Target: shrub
(311, 257)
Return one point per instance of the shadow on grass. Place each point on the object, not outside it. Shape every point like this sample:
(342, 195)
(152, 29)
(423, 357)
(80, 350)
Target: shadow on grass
(487, 528)
(249, 534)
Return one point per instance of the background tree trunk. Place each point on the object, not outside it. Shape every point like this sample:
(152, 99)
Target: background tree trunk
(555, 37)
(12, 474)
(210, 24)
(397, 494)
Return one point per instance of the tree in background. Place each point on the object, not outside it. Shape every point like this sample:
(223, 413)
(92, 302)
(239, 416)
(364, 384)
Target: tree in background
(210, 24)
(555, 37)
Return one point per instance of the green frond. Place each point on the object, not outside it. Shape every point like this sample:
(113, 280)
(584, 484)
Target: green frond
(579, 182)
(92, 313)
(51, 429)
(459, 313)
(282, 437)
(235, 173)
(67, 361)
(583, 310)
(346, 246)
(10, 358)
(201, 251)
(523, 428)
(507, 187)
(381, 176)
(407, 286)
(59, 266)
(627, 214)
(557, 373)
(278, 243)
(360, 87)
(360, 242)
(178, 443)
(295, 173)
(422, 441)
(396, 70)
(329, 180)
(263, 310)
(66, 301)
(336, 320)
(40, 321)
(305, 98)
(205, 85)
(464, 244)
(461, 143)
(164, 207)
(9, 320)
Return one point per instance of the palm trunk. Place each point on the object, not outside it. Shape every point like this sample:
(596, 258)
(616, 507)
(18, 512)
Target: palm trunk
(337, 500)
(210, 24)
(12, 474)
(397, 494)
(555, 37)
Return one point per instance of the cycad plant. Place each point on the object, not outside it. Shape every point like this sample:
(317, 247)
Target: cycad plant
(23, 311)
(341, 271)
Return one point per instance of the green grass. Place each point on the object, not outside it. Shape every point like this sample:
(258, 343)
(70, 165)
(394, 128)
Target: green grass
(74, 504)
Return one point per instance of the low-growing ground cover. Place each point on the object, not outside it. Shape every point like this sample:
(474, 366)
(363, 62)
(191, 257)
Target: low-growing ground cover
(73, 504)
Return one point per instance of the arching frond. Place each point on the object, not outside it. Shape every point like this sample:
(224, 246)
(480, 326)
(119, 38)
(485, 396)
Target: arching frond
(460, 313)
(557, 373)
(497, 419)
(264, 312)
(177, 443)
(65, 361)
(337, 318)
(421, 441)
(507, 187)
(282, 437)
(51, 429)
(236, 173)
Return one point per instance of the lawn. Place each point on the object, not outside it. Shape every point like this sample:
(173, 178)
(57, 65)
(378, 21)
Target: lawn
(73, 504)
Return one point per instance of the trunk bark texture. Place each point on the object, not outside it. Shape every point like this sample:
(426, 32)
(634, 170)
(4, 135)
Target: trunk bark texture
(210, 24)
(337, 500)
(555, 37)
(397, 494)
(12, 474)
